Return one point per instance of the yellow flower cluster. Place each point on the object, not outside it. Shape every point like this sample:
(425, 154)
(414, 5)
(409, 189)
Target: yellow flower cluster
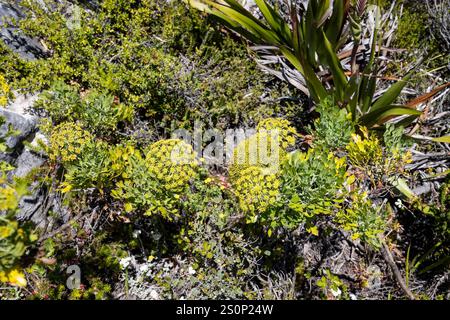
(265, 149)
(258, 150)
(286, 133)
(256, 162)
(402, 157)
(9, 229)
(365, 150)
(122, 160)
(4, 91)
(363, 219)
(13, 277)
(256, 190)
(8, 199)
(173, 162)
(67, 141)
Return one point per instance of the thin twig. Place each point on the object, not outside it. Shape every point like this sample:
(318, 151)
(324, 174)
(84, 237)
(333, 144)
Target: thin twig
(390, 260)
(63, 227)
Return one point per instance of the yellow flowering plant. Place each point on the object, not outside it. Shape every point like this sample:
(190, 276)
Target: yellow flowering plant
(266, 148)
(363, 219)
(15, 238)
(256, 191)
(14, 277)
(172, 162)
(380, 165)
(256, 164)
(364, 149)
(283, 128)
(154, 183)
(67, 141)
(5, 91)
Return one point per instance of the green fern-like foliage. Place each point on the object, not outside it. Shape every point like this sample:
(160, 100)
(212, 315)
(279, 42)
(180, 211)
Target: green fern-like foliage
(312, 182)
(334, 128)
(96, 110)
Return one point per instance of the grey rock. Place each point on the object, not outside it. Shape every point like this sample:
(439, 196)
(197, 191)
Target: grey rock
(24, 159)
(37, 142)
(17, 119)
(31, 208)
(24, 128)
(26, 162)
(374, 277)
(426, 188)
(36, 208)
(29, 159)
(22, 104)
(28, 48)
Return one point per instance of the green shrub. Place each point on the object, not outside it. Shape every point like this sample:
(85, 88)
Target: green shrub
(332, 287)
(333, 129)
(312, 185)
(96, 290)
(4, 91)
(94, 110)
(364, 220)
(412, 31)
(12, 66)
(92, 169)
(223, 260)
(60, 102)
(167, 77)
(15, 238)
(156, 182)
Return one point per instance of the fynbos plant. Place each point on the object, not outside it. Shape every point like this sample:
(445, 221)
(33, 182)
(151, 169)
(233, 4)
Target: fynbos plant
(311, 41)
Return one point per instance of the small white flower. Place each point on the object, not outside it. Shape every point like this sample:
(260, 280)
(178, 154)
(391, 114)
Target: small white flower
(353, 297)
(136, 233)
(144, 268)
(154, 295)
(336, 293)
(191, 271)
(399, 204)
(125, 262)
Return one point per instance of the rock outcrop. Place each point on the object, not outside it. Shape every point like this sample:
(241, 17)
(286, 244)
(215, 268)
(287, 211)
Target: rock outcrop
(28, 48)
(18, 128)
